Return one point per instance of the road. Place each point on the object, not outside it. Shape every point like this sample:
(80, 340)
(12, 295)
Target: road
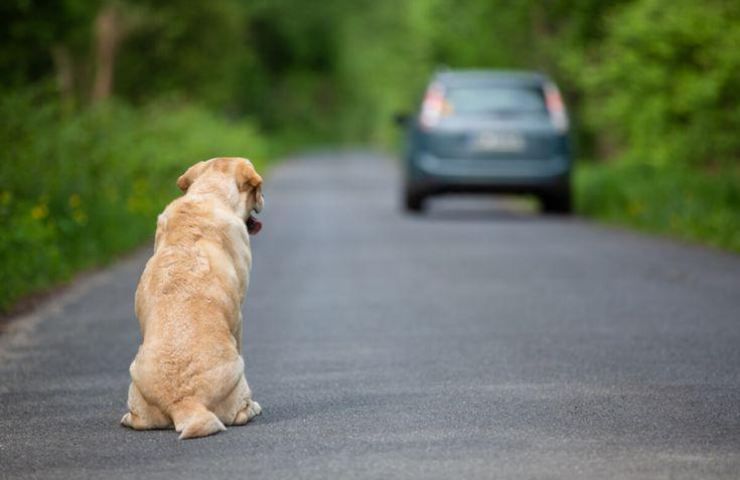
(478, 341)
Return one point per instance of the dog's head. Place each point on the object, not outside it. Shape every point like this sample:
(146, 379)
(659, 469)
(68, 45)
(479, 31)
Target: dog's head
(237, 177)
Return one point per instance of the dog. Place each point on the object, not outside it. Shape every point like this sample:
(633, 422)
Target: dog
(188, 371)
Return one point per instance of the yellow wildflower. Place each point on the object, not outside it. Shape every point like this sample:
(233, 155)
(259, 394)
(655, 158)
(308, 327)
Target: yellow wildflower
(75, 200)
(39, 211)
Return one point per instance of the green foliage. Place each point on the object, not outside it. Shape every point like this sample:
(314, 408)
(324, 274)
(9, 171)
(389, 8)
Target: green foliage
(385, 61)
(660, 91)
(681, 202)
(31, 29)
(75, 190)
(665, 83)
(193, 50)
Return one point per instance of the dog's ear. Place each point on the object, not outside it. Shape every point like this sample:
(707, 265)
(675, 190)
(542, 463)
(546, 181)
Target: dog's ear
(247, 176)
(259, 199)
(187, 178)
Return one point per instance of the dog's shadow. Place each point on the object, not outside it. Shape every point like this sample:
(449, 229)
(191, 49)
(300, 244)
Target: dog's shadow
(279, 412)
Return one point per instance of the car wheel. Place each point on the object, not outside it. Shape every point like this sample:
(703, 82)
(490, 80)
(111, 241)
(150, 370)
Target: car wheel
(557, 202)
(413, 201)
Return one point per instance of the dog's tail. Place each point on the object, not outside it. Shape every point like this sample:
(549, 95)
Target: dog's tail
(192, 419)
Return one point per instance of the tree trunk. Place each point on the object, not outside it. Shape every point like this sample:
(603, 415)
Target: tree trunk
(108, 34)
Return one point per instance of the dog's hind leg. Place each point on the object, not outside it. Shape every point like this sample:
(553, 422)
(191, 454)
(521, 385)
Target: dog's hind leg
(142, 415)
(247, 408)
(237, 408)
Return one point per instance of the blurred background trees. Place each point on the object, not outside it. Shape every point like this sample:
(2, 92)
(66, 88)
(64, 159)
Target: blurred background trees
(644, 78)
(653, 87)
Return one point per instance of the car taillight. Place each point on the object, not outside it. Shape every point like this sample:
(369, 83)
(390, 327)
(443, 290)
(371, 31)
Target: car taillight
(556, 107)
(434, 106)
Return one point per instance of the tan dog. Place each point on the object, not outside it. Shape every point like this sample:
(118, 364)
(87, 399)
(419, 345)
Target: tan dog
(188, 371)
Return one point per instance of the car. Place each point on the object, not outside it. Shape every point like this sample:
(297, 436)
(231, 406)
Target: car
(488, 131)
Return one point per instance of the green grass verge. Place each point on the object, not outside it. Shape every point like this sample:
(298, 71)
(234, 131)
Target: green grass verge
(685, 203)
(78, 189)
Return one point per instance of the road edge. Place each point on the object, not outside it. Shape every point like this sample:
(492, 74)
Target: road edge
(17, 330)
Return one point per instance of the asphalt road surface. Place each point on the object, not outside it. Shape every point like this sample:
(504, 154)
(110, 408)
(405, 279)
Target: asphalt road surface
(478, 341)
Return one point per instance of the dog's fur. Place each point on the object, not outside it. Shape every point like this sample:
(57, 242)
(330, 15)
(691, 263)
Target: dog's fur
(188, 372)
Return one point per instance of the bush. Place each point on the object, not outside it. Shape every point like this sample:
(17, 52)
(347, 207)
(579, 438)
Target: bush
(700, 207)
(664, 84)
(77, 189)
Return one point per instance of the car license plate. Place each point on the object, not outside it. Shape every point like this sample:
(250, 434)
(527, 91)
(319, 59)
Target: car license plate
(498, 142)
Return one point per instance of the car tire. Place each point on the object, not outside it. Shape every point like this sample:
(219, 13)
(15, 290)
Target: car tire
(557, 202)
(413, 201)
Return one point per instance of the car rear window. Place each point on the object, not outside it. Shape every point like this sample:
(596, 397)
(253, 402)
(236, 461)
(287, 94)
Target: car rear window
(495, 100)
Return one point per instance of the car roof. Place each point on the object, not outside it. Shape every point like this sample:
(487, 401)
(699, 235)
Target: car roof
(503, 78)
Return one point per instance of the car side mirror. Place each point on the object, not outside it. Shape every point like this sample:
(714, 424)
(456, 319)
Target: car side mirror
(402, 119)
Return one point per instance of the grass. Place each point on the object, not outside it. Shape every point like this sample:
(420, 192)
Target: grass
(685, 203)
(78, 189)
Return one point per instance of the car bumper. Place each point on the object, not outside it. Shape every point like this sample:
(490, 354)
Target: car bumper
(433, 173)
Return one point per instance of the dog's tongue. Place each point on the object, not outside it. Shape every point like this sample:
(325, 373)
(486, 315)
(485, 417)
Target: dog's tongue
(253, 225)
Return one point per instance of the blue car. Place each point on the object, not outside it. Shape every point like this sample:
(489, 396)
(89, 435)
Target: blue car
(492, 132)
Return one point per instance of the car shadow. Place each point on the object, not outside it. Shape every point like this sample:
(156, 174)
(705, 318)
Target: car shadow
(483, 208)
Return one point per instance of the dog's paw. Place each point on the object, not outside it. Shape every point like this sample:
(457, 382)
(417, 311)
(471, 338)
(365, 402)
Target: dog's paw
(248, 413)
(126, 420)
